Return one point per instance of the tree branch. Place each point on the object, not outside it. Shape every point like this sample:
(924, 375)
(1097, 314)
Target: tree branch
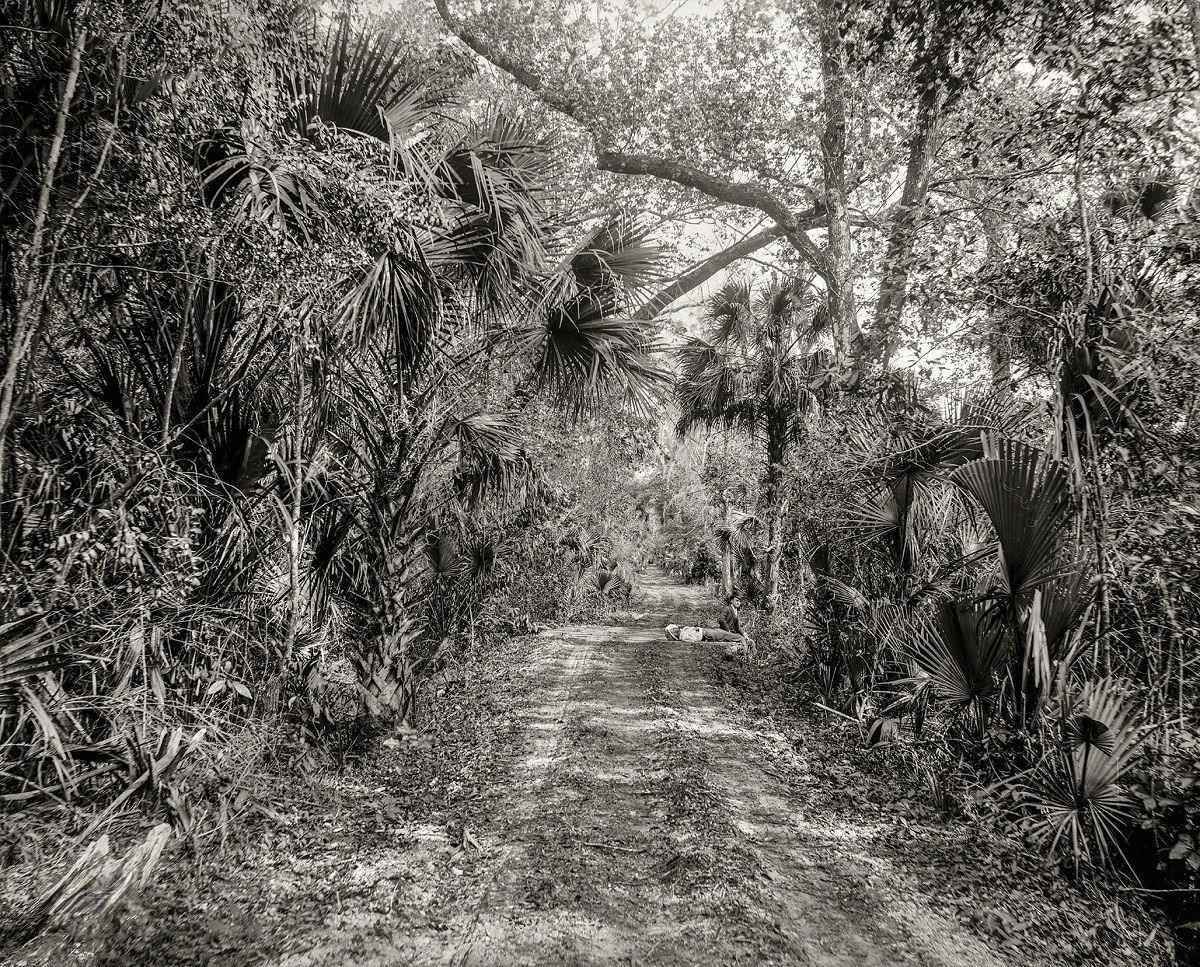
(741, 194)
(525, 76)
(703, 271)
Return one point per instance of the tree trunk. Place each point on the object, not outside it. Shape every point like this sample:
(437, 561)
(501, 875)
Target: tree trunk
(775, 506)
(1194, 22)
(384, 669)
(295, 537)
(727, 569)
(385, 690)
(839, 249)
(30, 310)
(893, 286)
(997, 339)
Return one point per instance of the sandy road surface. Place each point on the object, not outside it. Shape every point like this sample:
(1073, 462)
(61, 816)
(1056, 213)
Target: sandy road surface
(639, 824)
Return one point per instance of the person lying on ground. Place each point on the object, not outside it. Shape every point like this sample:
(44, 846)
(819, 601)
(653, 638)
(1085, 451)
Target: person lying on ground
(697, 633)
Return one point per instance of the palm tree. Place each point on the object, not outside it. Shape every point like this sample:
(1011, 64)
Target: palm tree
(490, 283)
(1042, 585)
(753, 370)
(734, 542)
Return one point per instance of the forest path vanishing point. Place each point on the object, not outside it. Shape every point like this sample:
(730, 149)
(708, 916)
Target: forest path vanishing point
(639, 820)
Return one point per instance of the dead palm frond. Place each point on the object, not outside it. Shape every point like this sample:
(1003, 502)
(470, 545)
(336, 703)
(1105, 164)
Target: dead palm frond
(27, 649)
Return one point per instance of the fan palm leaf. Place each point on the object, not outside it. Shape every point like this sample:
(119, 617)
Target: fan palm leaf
(1026, 497)
(613, 262)
(607, 583)
(442, 557)
(874, 514)
(363, 75)
(481, 554)
(495, 176)
(754, 364)
(400, 295)
(580, 357)
(957, 653)
(1075, 796)
(584, 347)
(734, 532)
(491, 457)
(237, 166)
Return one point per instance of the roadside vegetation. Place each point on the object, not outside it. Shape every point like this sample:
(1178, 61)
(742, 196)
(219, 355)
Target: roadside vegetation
(338, 341)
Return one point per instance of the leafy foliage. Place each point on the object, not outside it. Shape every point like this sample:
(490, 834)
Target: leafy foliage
(280, 432)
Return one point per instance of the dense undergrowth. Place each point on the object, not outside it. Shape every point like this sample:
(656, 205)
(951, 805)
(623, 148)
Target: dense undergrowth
(1001, 590)
(288, 325)
(318, 370)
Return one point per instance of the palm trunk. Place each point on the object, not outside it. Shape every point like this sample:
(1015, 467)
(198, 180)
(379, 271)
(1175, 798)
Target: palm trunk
(727, 543)
(384, 685)
(177, 354)
(384, 666)
(775, 506)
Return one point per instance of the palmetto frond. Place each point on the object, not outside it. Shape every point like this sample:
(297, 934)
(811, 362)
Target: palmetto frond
(1077, 802)
(735, 531)
(491, 457)
(923, 452)
(697, 357)
(730, 314)
(481, 556)
(581, 357)
(486, 434)
(716, 388)
(585, 348)
(442, 557)
(1101, 714)
(401, 297)
(876, 513)
(907, 511)
(1075, 796)
(1063, 601)
(1026, 497)
(583, 545)
(614, 262)
(605, 582)
(958, 654)
(495, 175)
(362, 78)
(239, 167)
(977, 415)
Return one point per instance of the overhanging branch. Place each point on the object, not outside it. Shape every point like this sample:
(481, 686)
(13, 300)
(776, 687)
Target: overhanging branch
(703, 271)
(525, 76)
(742, 194)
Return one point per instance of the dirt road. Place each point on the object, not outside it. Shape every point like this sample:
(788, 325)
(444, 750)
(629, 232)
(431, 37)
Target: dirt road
(642, 823)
